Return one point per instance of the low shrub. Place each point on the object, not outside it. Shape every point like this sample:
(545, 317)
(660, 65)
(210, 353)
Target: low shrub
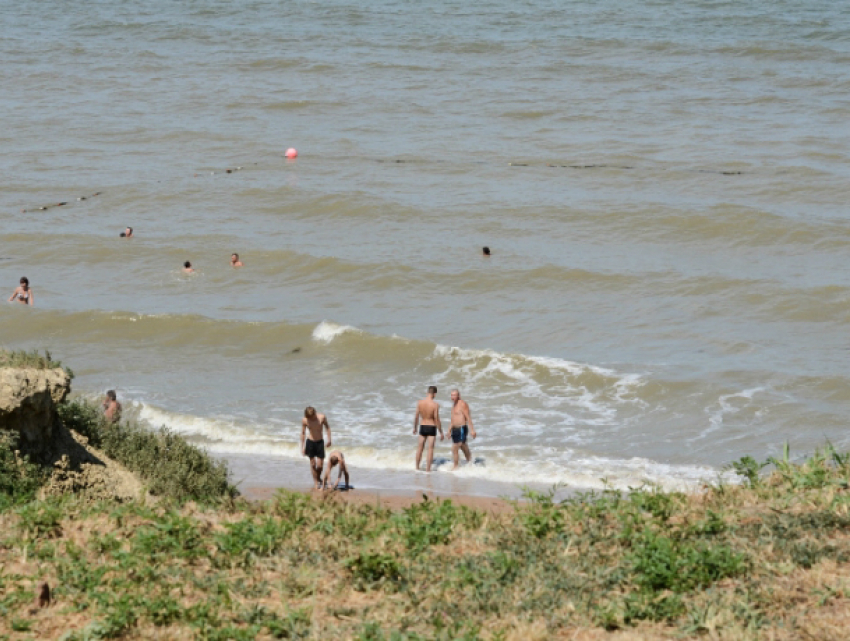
(167, 463)
(19, 478)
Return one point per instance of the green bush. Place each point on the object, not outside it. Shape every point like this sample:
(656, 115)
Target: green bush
(165, 461)
(19, 479)
(22, 358)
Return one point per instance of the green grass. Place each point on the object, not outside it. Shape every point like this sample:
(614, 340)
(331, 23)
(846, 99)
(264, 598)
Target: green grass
(31, 359)
(167, 464)
(735, 561)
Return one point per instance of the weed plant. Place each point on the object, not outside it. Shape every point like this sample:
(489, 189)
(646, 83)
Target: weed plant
(32, 359)
(764, 559)
(168, 464)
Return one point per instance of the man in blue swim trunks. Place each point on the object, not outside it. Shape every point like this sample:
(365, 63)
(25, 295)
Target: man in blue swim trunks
(428, 412)
(461, 426)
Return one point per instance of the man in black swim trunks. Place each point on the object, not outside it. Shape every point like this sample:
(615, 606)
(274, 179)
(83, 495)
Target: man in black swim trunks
(314, 448)
(427, 419)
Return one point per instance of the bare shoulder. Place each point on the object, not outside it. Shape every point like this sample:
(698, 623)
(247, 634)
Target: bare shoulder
(322, 418)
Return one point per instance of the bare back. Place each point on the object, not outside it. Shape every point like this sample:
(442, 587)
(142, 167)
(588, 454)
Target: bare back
(428, 409)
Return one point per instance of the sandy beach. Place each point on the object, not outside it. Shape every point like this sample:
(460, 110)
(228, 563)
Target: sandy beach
(258, 478)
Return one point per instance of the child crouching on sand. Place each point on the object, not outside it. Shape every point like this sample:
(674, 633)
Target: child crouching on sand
(336, 458)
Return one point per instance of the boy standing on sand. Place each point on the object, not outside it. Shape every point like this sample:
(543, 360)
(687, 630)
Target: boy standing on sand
(461, 425)
(429, 412)
(314, 448)
(336, 458)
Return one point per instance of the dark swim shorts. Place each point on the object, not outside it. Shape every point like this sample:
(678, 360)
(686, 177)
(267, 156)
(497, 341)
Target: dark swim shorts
(459, 434)
(314, 449)
(427, 430)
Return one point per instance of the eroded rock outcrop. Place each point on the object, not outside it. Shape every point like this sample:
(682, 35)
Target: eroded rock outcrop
(28, 399)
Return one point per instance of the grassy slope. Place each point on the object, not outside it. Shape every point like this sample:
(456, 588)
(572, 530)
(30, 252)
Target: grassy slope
(765, 560)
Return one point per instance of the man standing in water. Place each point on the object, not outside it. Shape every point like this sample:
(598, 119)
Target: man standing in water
(314, 448)
(427, 419)
(111, 407)
(461, 426)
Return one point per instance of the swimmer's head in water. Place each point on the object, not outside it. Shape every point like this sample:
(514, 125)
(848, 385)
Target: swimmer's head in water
(129, 231)
(111, 395)
(310, 412)
(432, 389)
(187, 264)
(234, 257)
(486, 251)
(123, 234)
(25, 281)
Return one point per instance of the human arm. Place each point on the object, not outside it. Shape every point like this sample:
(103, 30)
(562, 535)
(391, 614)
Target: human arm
(303, 434)
(343, 469)
(31, 299)
(468, 416)
(328, 428)
(438, 422)
(14, 293)
(416, 419)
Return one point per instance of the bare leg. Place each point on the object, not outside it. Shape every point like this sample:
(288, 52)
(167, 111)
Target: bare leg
(419, 450)
(466, 453)
(455, 448)
(431, 442)
(316, 469)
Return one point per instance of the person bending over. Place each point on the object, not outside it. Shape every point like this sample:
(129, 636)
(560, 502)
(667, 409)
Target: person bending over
(336, 459)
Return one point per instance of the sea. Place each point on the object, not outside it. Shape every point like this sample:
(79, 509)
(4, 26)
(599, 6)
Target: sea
(664, 186)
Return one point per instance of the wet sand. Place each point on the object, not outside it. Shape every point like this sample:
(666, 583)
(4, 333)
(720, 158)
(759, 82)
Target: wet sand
(258, 478)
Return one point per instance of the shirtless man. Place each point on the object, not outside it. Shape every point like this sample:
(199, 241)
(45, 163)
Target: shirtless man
(235, 262)
(461, 424)
(427, 419)
(314, 448)
(336, 458)
(111, 407)
(187, 267)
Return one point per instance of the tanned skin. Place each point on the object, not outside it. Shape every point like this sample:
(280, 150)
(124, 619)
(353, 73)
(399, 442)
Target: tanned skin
(427, 413)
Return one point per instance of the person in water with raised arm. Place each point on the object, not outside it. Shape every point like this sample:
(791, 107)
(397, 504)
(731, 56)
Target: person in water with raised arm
(111, 407)
(23, 293)
(427, 419)
(461, 427)
(314, 447)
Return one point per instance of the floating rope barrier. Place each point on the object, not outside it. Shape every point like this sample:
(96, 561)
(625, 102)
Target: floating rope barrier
(229, 170)
(62, 204)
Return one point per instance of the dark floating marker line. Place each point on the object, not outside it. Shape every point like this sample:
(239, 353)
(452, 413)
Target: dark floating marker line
(229, 170)
(62, 204)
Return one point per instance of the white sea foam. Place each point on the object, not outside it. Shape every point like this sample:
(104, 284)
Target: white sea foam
(326, 331)
(226, 435)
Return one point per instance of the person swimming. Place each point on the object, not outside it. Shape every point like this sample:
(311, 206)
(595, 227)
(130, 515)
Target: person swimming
(234, 261)
(23, 293)
(485, 251)
(187, 267)
(127, 233)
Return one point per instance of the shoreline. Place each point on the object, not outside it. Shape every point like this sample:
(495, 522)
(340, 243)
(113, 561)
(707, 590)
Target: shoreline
(259, 477)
